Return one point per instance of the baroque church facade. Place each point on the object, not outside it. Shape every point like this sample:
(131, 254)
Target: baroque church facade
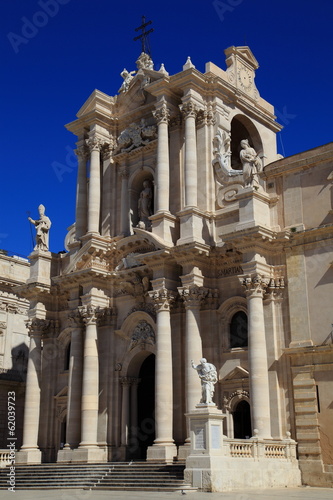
(193, 238)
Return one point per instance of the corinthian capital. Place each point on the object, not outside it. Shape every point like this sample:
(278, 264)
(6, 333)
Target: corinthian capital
(192, 295)
(82, 152)
(74, 319)
(162, 113)
(94, 143)
(189, 109)
(162, 298)
(254, 285)
(88, 314)
(37, 326)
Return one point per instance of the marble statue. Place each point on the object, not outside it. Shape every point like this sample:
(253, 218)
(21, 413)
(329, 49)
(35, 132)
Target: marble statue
(128, 77)
(252, 164)
(145, 204)
(42, 225)
(208, 376)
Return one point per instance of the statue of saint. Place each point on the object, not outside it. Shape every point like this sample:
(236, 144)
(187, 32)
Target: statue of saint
(145, 203)
(42, 225)
(128, 77)
(208, 376)
(252, 164)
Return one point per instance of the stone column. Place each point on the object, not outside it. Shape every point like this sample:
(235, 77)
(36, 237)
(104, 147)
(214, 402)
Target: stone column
(162, 182)
(88, 450)
(257, 352)
(124, 215)
(191, 174)
(30, 452)
(125, 410)
(192, 297)
(81, 194)
(94, 197)
(163, 448)
(134, 416)
(73, 434)
(107, 187)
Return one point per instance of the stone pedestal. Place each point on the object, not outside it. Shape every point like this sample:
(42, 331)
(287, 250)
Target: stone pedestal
(191, 226)
(254, 208)
(205, 459)
(30, 457)
(163, 226)
(90, 455)
(40, 267)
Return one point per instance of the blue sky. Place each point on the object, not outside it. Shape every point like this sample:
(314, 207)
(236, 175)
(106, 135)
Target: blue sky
(56, 52)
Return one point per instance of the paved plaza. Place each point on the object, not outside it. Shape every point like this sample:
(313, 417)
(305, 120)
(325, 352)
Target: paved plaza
(302, 493)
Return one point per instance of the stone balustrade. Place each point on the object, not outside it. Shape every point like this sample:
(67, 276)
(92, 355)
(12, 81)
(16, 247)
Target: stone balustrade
(5, 458)
(257, 448)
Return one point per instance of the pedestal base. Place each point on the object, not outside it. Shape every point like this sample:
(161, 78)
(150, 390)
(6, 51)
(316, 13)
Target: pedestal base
(65, 455)
(32, 456)
(162, 453)
(89, 455)
(191, 226)
(183, 452)
(164, 226)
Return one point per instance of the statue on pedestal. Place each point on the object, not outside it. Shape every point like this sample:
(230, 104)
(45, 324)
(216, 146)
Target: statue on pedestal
(252, 164)
(208, 376)
(42, 225)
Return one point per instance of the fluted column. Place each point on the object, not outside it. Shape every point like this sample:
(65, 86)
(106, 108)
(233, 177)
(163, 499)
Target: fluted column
(90, 386)
(257, 352)
(192, 297)
(94, 197)
(162, 181)
(191, 174)
(163, 448)
(32, 393)
(73, 433)
(124, 215)
(125, 409)
(81, 194)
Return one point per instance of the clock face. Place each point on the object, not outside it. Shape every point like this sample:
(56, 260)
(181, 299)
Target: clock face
(245, 78)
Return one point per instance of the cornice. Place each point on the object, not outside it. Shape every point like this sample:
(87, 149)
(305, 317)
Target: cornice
(309, 236)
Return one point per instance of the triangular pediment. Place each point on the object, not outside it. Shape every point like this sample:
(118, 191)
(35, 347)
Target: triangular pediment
(244, 53)
(97, 101)
(236, 373)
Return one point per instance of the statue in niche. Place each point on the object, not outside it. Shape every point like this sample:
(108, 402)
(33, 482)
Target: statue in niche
(208, 376)
(222, 155)
(145, 209)
(128, 77)
(42, 225)
(252, 164)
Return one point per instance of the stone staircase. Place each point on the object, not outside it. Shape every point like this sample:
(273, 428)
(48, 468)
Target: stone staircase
(136, 476)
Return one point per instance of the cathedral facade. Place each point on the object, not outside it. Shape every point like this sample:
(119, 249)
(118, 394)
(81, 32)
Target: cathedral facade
(193, 239)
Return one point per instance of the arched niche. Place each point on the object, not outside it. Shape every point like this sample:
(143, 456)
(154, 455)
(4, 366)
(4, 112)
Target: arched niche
(227, 312)
(136, 187)
(243, 128)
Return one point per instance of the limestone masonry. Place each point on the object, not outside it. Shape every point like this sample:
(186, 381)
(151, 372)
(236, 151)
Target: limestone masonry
(193, 239)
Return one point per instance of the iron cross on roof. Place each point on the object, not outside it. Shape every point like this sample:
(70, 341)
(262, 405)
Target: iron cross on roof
(144, 36)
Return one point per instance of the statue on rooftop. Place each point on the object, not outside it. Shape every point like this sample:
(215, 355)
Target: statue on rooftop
(252, 164)
(128, 77)
(42, 225)
(208, 376)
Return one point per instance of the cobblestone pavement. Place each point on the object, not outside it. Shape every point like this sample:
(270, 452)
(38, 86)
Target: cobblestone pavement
(302, 493)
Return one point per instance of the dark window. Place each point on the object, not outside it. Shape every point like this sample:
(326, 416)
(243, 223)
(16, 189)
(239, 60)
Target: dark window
(67, 356)
(238, 330)
(242, 421)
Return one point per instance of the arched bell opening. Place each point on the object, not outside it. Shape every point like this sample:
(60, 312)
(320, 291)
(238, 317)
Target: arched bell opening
(242, 128)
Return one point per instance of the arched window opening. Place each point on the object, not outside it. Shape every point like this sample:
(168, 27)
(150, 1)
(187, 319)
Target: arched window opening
(238, 330)
(242, 421)
(243, 128)
(67, 356)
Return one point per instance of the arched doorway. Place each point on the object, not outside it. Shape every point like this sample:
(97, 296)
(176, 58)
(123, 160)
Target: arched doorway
(242, 421)
(146, 406)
